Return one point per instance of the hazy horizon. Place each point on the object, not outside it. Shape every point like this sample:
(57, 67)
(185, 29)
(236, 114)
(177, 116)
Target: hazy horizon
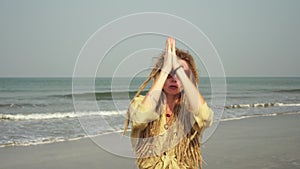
(252, 38)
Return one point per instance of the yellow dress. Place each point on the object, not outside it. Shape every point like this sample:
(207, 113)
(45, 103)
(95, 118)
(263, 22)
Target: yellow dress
(160, 156)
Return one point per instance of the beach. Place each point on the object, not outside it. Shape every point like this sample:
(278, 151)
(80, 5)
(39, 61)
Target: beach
(259, 142)
(256, 142)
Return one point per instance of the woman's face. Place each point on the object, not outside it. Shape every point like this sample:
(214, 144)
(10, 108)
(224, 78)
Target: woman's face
(173, 85)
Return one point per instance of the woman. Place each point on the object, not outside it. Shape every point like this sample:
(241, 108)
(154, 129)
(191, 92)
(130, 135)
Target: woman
(168, 122)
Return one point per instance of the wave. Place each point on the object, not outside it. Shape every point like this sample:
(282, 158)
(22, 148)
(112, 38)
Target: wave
(288, 91)
(106, 95)
(61, 115)
(40, 141)
(82, 136)
(14, 105)
(259, 115)
(255, 105)
(50, 140)
(58, 115)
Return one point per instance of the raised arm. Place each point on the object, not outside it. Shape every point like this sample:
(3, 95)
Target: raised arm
(195, 98)
(154, 93)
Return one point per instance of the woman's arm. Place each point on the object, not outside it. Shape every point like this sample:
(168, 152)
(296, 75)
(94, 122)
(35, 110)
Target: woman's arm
(195, 98)
(154, 93)
(203, 115)
(145, 110)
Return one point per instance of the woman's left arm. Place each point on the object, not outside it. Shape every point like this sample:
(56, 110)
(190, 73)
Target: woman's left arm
(202, 113)
(195, 98)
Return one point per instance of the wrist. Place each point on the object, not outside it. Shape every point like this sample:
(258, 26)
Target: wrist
(177, 68)
(166, 69)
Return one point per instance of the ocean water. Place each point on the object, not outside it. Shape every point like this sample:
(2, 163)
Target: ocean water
(43, 110)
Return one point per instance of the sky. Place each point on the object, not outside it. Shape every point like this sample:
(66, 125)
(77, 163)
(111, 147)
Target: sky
(40, 38)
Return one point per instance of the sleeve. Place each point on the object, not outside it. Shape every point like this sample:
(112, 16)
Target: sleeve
(140, 115)
(203, 118)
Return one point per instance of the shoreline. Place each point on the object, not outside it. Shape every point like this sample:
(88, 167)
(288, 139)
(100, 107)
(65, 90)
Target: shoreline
(59, 140)
(264, 142)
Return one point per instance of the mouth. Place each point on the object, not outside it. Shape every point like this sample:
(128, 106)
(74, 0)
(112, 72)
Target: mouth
(173, 87)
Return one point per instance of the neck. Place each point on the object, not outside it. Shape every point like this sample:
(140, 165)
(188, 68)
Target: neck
(171, 101)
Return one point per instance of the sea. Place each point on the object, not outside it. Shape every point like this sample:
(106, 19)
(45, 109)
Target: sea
(43, 110)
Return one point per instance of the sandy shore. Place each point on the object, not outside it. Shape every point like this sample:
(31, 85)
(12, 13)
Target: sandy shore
(260, 143)
(255, 143)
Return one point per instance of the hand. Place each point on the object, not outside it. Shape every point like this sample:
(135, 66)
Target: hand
(175, 63)
(168, 56)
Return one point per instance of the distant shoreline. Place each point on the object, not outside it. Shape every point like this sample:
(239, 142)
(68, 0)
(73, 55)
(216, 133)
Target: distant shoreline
(47, 141)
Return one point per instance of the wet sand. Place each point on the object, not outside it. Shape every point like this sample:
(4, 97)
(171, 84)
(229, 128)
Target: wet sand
(258, 142)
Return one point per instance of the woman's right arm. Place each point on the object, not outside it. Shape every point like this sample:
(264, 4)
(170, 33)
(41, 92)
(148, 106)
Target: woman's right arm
(143, 111)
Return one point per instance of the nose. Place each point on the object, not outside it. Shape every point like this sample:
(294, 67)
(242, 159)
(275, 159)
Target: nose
(174, 77)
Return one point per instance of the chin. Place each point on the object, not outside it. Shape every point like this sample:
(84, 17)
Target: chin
(172, 92)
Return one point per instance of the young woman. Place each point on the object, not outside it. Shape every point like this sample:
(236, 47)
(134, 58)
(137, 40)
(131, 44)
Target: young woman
(167, 123)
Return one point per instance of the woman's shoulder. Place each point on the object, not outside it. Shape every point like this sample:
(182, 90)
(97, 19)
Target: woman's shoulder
(139, 98)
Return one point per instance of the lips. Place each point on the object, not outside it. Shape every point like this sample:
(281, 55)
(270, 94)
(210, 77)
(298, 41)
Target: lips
(173, 86)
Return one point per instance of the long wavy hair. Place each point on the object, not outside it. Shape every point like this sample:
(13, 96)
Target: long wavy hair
(187, 148)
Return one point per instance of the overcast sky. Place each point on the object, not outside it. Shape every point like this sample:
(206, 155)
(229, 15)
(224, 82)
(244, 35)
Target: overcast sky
(253, 37)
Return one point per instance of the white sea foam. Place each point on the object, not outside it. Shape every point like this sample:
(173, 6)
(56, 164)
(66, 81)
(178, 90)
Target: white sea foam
(60, 139)
(54, 140)
(254, 105)
(258, 115)
(40, 141)
(58, 115)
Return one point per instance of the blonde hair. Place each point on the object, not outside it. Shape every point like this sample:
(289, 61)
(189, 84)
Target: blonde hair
(189, 147)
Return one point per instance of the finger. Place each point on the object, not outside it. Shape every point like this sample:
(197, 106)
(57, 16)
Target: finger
(173, 46)
(169, 45)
